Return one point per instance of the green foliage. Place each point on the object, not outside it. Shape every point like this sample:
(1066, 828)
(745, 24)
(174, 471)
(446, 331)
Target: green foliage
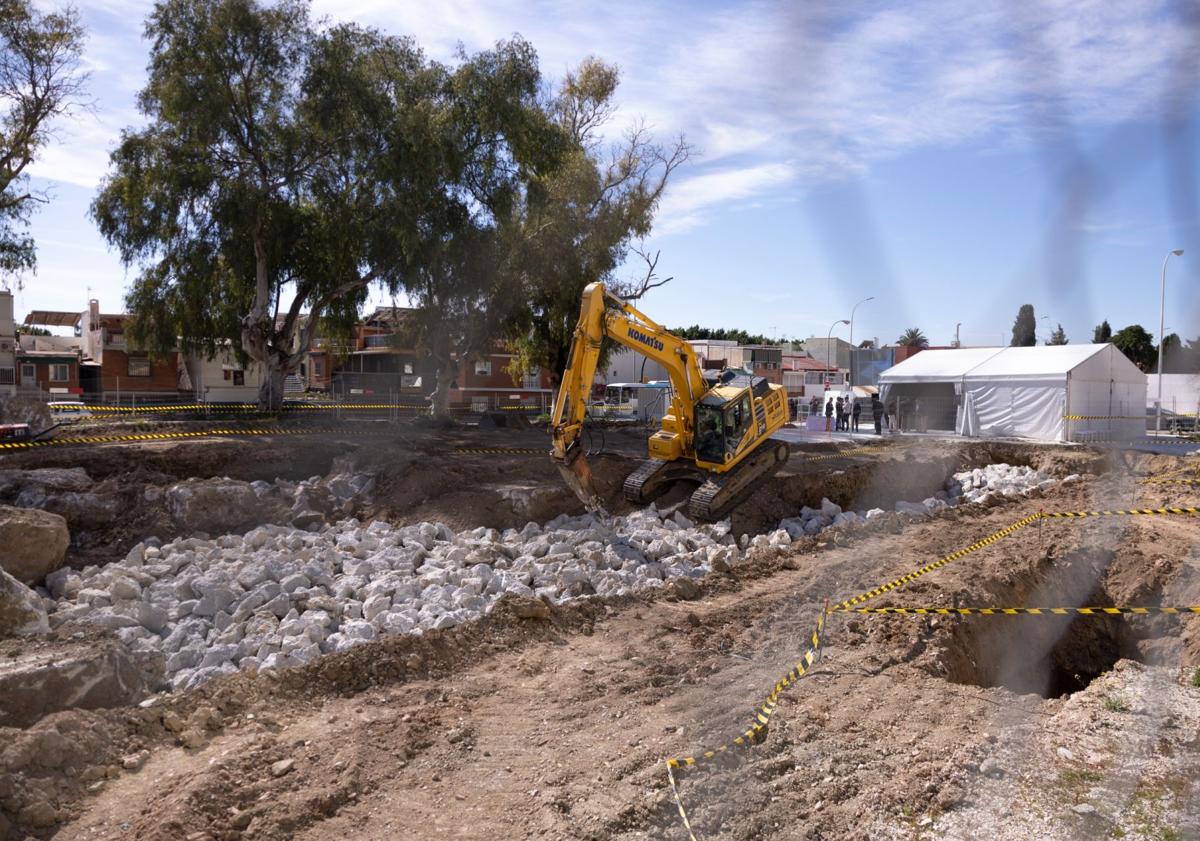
(1196, 678)
(282, 160)
(39, 80)
(1024, 331)
(1114, 704)
(1102, 334)
(1178, 358)
(23, 330)
(722, 334)
(1058, 337)
(913, 337)
(1137, 344)
(575, 224)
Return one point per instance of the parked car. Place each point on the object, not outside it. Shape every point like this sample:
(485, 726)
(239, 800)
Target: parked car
(15, 432)
(70, 408)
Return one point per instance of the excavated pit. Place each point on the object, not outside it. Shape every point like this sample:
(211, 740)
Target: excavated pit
(1048, 655)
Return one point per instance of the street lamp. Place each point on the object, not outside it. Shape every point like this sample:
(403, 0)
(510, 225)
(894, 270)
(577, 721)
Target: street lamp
(1162, 307)
(828, 340)
(852, 309)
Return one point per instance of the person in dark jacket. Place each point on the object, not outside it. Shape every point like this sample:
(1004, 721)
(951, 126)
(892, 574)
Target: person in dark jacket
(877, 413)
(829, 415)
(840, 411)
(855, 411)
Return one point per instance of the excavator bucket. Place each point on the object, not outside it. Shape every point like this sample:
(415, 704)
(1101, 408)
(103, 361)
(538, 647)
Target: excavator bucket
(577, 473)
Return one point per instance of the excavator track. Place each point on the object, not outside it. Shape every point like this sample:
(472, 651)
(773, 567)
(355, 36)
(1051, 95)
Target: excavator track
(721, 493)
(653, 478)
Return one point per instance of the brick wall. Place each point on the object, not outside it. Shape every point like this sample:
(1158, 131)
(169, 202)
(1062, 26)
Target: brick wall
(41, 377)
(114, 373)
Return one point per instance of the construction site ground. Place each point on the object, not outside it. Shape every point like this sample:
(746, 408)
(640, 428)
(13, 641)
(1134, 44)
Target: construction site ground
(558, 727)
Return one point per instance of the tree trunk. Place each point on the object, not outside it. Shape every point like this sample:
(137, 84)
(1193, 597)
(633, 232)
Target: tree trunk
(270, 390)
(440, 399)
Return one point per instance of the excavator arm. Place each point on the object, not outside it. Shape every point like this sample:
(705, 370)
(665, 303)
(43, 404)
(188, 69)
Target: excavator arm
(623, 324)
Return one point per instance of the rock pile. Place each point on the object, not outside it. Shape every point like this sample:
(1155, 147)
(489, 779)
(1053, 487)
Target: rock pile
(980, 484)
(279, 596)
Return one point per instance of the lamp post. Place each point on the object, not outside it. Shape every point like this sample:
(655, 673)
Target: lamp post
(828, 340)
(852, 309)
(957, 343)
(1162, 308)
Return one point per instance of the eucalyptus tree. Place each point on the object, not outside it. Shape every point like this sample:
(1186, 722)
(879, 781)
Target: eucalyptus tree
(40, 79)
(286, 167)
(576, 223)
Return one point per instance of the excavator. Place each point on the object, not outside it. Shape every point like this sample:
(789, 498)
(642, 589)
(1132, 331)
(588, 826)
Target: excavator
(716, 435)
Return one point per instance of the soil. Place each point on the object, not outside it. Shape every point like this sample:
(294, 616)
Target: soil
(909, 727)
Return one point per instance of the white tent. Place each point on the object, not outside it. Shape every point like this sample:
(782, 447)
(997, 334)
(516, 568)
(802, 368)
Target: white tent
(1045, 392)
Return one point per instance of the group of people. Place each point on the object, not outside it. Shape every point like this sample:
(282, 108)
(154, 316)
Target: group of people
(842, 415)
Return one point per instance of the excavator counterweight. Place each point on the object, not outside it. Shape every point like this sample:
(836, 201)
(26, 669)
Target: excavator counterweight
(716, 435)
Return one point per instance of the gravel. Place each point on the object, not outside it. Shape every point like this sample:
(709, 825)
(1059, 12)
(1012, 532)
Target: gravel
(279, 596)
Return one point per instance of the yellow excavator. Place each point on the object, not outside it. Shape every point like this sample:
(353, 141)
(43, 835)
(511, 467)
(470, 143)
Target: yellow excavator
(716, 435)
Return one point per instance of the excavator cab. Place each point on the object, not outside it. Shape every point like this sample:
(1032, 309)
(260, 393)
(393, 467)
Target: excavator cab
(721, 426)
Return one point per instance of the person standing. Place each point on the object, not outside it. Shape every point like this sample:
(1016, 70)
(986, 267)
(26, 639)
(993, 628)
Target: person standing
(855, 411)
(877, 413)
(840, 413)
(829, 415)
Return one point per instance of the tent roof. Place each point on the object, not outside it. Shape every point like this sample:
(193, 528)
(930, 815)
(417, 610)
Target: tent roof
(1043, 362)
(1037, 361)
(938, 365)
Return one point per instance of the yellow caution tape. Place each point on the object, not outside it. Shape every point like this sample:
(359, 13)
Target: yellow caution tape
(1021, 611)
(1104, 417)
(1169, 482)
(1132, 512)
(170, 436)
(939, 563)
(502, 451)
(845, 453)
(763, 716)
(679, 803)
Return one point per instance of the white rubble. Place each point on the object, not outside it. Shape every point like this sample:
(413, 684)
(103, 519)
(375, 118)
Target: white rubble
(969, 486)
(279, 596)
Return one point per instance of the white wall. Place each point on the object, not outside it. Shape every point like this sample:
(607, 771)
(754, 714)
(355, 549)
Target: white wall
(209, 383)
(1180, 393)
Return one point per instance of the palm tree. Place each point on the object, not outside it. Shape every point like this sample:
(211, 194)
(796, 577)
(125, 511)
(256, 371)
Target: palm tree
(913, 337)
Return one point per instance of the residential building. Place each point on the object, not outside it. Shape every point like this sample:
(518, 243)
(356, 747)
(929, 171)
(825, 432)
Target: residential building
(48, 364)
(486, 383)
(8, 344)
(120, 367)
(804, 376)
(626, 365)
(832, 350)
(222, 379)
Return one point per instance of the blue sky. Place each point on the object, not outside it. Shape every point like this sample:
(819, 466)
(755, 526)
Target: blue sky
(952, 162)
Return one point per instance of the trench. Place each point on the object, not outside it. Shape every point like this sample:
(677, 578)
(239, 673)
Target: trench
(1049, 656)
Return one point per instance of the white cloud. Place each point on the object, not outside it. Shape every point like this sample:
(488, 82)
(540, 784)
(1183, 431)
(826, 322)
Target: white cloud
(687, 199)
(775, 95)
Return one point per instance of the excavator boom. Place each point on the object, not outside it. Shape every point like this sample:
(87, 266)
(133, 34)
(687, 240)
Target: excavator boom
(739, 412)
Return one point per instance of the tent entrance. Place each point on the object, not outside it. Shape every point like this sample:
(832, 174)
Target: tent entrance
(923, 407)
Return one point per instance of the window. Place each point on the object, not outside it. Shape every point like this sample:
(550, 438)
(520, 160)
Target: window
(318, 367)
(60, 373)
(28, 373)
(139, 366)
(483, 367)
(408, 368)
(8, 376)
(479, 404)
